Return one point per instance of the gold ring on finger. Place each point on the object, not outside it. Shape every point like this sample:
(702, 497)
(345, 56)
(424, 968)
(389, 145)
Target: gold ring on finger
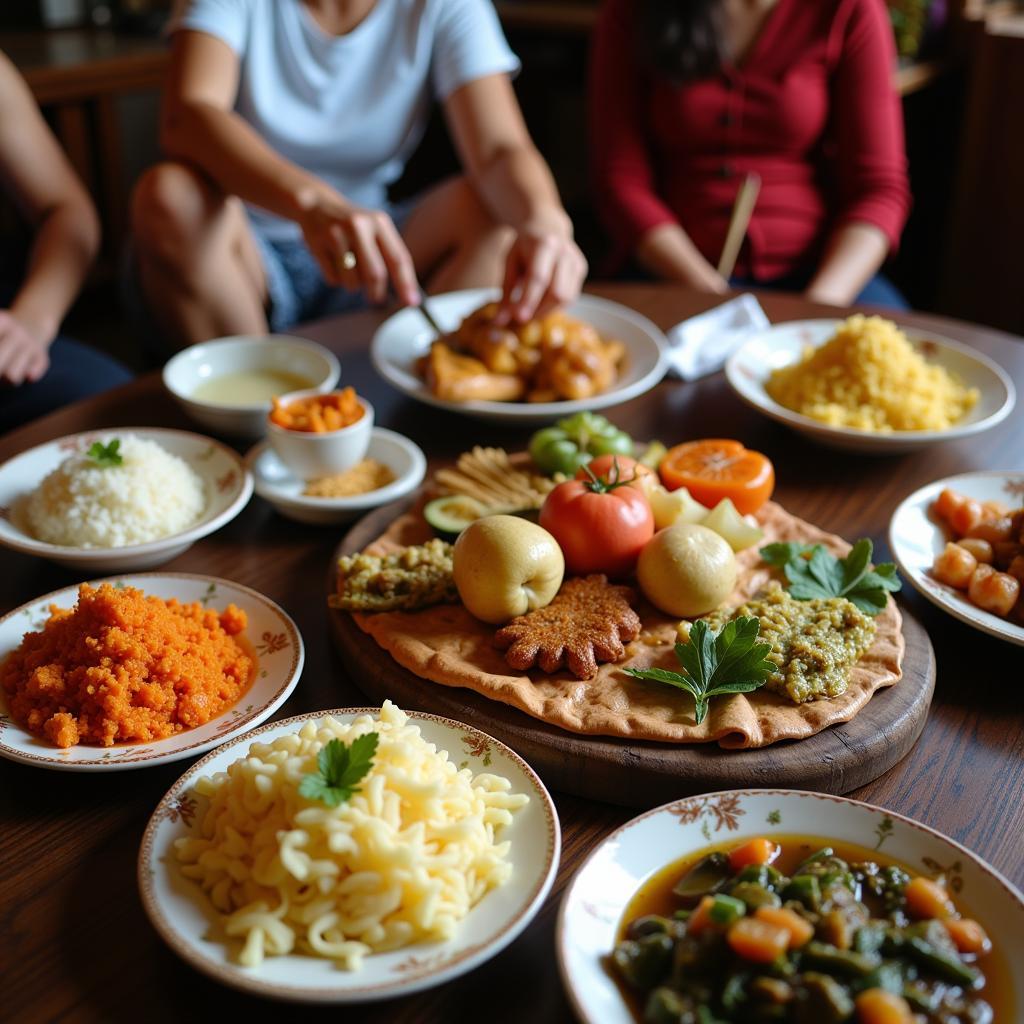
(348, 260)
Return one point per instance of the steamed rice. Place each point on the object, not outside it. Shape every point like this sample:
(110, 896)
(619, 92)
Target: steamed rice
(869, 377)
(150, 495)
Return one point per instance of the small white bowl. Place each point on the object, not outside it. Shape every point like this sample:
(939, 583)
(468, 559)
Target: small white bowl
(601, 890)
(228, 486)
(280, 353)
(309, 455)
(275, 484)
(783, 344)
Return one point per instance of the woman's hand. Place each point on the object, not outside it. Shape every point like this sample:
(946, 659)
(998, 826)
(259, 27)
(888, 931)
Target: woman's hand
(358, 248)
(544, 269)
(23, 356)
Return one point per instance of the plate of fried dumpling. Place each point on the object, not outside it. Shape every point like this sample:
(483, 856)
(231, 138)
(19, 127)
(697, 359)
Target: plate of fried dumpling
(591, 354)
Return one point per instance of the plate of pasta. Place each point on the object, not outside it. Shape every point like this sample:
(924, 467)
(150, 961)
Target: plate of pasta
(349, 855)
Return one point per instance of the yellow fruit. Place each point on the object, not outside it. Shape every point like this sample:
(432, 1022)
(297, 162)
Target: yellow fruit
(686, 570)
(505, 566)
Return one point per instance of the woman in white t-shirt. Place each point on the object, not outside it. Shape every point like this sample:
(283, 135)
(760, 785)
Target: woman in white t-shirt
(288, 119)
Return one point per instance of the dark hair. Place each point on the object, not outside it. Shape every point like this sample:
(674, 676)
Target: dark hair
(681, 39)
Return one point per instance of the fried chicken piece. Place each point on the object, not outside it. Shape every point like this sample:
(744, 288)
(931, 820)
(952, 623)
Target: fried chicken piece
(587, 622)
(459, 378)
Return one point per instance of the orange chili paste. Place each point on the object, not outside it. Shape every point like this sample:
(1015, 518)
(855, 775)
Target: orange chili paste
(121, 667)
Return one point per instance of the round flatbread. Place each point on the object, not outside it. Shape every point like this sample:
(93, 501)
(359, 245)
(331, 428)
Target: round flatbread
(446, 645)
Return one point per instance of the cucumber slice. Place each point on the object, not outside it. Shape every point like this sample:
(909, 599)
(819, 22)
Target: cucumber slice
(451, 514)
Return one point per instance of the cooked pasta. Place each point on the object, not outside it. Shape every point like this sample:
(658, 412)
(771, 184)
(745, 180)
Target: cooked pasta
(403, 860)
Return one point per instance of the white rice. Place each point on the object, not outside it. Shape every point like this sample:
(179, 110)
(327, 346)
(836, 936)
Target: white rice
(152, 494)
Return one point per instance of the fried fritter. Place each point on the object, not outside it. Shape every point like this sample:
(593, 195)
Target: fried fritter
(587, 622)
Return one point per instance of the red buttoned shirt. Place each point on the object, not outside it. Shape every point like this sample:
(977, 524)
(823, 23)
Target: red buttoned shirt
(812, 109)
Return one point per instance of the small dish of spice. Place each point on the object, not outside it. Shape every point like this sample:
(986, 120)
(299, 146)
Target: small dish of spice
(391, 467)
(317, 435)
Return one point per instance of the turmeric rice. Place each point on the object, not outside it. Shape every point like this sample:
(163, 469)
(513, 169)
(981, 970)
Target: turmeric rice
(121, 667)
(869, 377)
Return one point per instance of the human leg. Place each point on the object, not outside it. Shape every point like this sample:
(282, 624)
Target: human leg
(76, 371)
(454, 241)
(880, 291)
(198, 264)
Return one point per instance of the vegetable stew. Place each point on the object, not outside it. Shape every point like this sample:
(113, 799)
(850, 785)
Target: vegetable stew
(803, 930)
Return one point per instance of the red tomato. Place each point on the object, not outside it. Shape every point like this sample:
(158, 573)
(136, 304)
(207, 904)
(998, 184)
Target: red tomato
(600, 527)
(630, 471)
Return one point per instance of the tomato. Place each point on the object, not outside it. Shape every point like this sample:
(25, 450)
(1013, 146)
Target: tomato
(630, 471)
(600, 525)
(717, 469)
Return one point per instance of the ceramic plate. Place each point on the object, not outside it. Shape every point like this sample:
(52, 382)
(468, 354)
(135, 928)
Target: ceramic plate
(276, 484)
(783, 344)
(406, 336)
(227, 482)
(916, 537)
(182, 916)
(271, 634)
(597, 897)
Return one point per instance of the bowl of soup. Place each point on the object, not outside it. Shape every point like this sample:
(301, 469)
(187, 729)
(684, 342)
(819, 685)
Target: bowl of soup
(228, 384)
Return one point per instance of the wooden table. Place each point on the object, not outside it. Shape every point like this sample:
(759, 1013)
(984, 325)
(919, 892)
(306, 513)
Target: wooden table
(74, 944)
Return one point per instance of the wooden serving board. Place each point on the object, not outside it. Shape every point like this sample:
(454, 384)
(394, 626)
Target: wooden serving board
(644, 774)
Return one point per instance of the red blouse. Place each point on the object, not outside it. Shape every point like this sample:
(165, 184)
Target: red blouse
(812, 109)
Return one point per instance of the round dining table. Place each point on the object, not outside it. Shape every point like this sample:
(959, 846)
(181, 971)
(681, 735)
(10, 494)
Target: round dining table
(75, 945)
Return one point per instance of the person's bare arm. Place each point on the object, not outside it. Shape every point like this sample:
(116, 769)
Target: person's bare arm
(200, 127)
(545, 267)
(852, 257)
(66, 231)
(668, 252)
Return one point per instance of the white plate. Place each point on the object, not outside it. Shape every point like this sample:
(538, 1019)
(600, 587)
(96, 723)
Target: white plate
(783, 344)
(916, 537)
(271, 634)
(181, 915)
(598, 895)
(406, 336)
(277, 485)
(228, 486)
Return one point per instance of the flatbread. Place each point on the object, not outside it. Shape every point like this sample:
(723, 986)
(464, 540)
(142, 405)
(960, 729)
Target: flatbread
(446, 645)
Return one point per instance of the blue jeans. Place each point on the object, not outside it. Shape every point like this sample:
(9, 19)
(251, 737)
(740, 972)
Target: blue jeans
(879, 291)
(76, 371)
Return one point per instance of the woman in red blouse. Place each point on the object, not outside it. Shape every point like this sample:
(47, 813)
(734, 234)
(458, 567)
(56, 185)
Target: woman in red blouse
(688, 96)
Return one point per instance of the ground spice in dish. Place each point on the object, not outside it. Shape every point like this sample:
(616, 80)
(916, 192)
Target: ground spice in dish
(365, 476)
(121, 667)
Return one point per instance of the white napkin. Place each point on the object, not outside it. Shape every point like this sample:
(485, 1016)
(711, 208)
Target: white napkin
(702, 344)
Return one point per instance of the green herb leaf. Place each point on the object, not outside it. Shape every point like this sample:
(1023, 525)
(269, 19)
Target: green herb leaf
(729, 661)
(106, 455)
(812, 572)
(341, 766)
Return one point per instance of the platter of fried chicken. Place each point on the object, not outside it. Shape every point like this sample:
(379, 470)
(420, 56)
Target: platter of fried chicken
(592, 354)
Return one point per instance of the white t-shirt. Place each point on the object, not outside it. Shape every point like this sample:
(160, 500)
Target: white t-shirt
(352, 108)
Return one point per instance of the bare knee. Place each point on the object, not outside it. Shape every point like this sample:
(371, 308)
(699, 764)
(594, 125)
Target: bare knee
(173, 211)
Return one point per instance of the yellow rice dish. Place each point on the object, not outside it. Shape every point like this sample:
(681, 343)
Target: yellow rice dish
(869, 377)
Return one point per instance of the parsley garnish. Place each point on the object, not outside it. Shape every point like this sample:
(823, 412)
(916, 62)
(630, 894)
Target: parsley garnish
(341, 766)
(106, 455)
(729, 661)
(814, 572)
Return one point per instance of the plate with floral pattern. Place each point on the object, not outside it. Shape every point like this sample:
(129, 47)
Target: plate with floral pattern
(227, 487)
(591, 915)
(917, 535)
(270, 636)
(188, 923)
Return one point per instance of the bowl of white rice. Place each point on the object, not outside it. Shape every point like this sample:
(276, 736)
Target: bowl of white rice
(120, 499)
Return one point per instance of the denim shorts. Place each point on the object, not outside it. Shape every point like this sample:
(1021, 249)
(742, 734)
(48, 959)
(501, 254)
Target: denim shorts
(296, 288)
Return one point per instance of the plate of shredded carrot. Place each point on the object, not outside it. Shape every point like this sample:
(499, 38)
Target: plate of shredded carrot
(140, 670)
